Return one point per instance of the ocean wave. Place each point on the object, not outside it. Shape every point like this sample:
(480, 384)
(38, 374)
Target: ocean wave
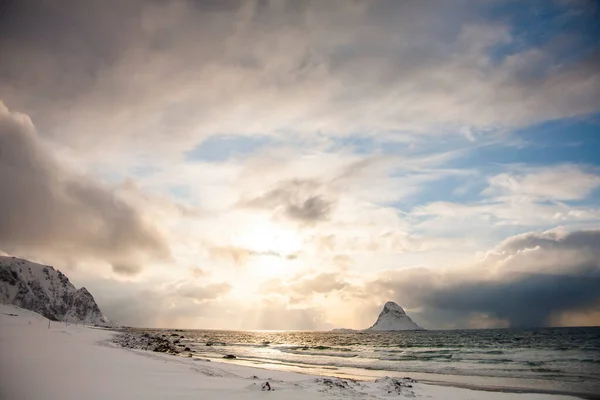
(534, 363)
(591, 361)
(547, 354)
(409, 357)
(547, 370)
(495, 361)
(319, 348)
(308, 352)
(491, 352)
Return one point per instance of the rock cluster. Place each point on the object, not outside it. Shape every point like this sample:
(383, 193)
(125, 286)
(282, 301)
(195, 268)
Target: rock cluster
(146, 342)
(397, 386)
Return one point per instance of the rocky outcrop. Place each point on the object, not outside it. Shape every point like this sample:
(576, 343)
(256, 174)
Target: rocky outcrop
(159, 344)
(393, 318)
(48, 292)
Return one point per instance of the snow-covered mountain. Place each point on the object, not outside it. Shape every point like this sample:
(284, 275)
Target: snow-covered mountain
(393, 318)
(49, 292)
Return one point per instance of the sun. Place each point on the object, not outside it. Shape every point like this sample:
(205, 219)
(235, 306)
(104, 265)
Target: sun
(273, 247)
(267, 237)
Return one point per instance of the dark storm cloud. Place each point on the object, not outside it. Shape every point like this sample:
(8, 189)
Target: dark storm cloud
(46, 208)
(556, 239)
(525, 300)
(526, 281)
(299, 200)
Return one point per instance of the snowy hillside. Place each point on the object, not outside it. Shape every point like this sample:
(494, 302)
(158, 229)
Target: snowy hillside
(393, 318)
(48, 292)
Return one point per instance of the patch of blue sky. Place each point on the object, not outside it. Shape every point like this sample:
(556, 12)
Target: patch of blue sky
(222, 148)
(356, 144)
(449, 188)
(571, 31)
(565, 141)
(568, 141)
(418, 146)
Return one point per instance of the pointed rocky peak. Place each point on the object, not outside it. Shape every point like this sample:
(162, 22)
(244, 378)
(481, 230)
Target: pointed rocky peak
(47, 291)
(390, 306)
(394, 318)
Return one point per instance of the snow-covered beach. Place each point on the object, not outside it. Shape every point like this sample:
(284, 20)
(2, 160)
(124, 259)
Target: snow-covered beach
(75, 362)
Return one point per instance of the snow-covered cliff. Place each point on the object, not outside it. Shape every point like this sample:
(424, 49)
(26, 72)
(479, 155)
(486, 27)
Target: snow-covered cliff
(49, 292)
(393, 318)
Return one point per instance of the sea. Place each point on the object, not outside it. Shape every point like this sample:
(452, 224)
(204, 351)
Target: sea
(554, 360)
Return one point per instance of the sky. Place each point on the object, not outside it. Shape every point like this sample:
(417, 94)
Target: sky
(296, 164)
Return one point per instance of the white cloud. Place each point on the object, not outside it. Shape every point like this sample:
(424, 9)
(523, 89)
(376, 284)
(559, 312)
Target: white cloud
(131, 87)
(168, 75)
(562, 182)
(521, 197)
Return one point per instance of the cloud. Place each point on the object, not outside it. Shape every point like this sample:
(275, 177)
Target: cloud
(298, 200)
(320, 283)
(445, 216)
(126, 269)
(197, 304)
(47, 209)
(524, 196)
(203, 293)
(240, 255)
(279, 68)
(558, 238)
(189, 303)
(534, 279)
(273, 314)
(580, 317)
(257, 133)
(562, 182)
(525, 281)
(525, 300)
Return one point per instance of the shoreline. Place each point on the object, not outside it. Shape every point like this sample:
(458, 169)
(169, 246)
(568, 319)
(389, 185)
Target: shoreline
(585, 396)
(534, 361)
(379, 374)
(477, 383)
(74, 362)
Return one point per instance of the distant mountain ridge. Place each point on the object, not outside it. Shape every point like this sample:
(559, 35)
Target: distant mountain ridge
(392, 318)
(48, 292)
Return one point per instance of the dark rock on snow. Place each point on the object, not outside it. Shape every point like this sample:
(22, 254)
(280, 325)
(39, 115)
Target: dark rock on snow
(145, 342)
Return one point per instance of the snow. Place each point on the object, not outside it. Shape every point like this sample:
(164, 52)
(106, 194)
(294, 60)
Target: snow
(393, 318)
(77, 362)
(43, 289)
